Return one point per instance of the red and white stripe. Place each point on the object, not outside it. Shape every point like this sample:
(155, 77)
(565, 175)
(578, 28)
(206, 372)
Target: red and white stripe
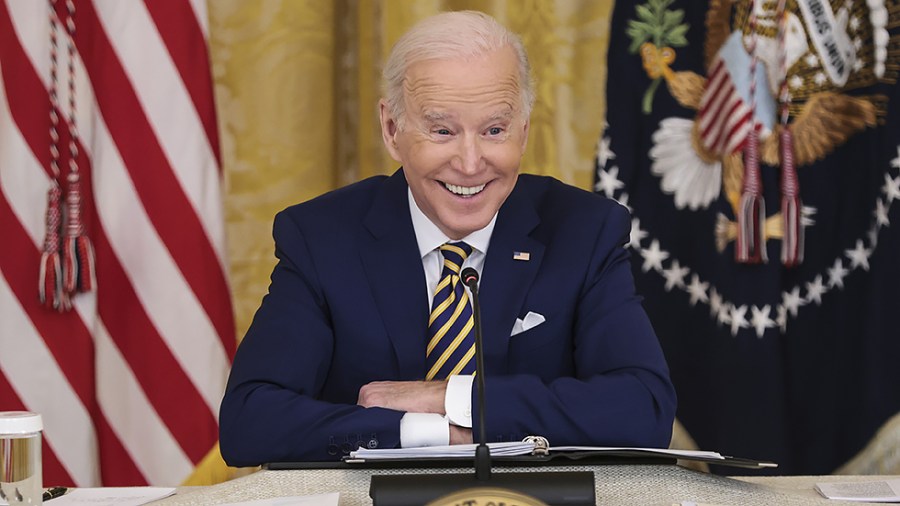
(724, 117)
(129, 381)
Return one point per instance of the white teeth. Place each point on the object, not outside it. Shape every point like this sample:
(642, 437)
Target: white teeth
(464, 190)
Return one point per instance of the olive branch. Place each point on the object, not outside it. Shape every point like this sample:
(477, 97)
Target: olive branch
(660, 27)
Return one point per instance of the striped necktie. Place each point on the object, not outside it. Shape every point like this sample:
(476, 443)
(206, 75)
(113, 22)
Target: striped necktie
(451, 340)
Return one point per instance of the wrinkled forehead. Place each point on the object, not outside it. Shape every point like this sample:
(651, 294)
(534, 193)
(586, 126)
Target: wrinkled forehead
(438, 88)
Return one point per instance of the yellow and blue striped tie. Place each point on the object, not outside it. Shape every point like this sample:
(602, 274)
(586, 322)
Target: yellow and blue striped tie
(451, 340)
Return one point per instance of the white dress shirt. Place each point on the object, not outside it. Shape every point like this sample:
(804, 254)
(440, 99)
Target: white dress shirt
(431, 429)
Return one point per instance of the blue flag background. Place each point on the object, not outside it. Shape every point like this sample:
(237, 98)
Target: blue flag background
(797, 365)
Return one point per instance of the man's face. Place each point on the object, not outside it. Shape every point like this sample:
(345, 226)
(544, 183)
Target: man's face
(463, 137)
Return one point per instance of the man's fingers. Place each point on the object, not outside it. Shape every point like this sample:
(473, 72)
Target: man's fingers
(410, 396)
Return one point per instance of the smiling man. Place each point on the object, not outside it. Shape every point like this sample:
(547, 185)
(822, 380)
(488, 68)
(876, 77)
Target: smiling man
(366, 335)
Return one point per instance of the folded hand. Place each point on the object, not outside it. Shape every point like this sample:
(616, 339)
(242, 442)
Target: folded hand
(409, 396)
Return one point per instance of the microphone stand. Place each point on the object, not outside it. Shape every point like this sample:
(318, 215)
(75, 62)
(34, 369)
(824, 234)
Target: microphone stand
(482, 451)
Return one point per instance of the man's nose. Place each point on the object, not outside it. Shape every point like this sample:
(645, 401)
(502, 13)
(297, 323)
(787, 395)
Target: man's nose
(471, 155)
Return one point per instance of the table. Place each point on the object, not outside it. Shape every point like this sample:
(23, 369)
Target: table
(644, 485)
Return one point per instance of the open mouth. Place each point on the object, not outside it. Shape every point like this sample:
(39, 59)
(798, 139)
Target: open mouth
(464, 191)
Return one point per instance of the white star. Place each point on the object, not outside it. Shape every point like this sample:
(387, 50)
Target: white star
(795, 81)
(806, 216)
(872, 234)
(697, 289)
(608, 181)
(675, 275)
(623, 200)
(811, 60)
(637, 235)
(715, 302)
(858, 65)
(857, 43)
(891, 188)
(895, 163)
(792, 301)
(820, 78)
(760, 319)
(604, 154)
(881, 214)
(815, 290)
(653, 257)
(836, 274)
(781, 317)
(724, 315)
(738, 320)
(854, 23)
(859, 256)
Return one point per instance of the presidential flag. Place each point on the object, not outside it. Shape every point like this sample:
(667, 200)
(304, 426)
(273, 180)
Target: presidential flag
(115, 317)
(778, 122)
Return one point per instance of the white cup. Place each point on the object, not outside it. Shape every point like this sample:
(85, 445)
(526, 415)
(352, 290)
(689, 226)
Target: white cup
(20, 458)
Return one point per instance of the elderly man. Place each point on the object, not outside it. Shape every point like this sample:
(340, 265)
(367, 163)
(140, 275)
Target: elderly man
(366, 338)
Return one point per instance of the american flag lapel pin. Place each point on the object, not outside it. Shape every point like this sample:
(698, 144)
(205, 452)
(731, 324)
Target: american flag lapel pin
(521, 255)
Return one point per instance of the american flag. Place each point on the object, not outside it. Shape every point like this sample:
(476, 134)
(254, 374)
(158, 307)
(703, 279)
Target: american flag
(724, 116)
(129, 380)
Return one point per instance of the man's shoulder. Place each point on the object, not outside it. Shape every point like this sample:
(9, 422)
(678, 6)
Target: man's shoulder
(552, 196)
(350, 200)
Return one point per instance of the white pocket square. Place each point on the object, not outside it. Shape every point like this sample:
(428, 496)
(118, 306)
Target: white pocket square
(530, 321)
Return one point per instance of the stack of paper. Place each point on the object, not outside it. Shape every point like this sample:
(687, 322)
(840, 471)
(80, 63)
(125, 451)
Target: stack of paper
(513, 449)
(866, 491)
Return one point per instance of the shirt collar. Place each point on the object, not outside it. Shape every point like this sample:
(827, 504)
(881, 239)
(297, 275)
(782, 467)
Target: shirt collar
(430, 237)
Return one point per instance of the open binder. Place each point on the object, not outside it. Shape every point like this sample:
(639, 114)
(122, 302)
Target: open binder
(534, 450)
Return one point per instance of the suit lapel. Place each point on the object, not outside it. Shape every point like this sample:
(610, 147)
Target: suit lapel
(391, 258)
(505, 280)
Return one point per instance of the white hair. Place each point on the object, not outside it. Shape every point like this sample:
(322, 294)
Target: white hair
(458, 34)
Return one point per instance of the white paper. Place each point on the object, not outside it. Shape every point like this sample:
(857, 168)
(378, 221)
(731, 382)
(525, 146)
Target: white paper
(867, 491)
(513, 449)
(304, 500)
(111, 496)
(510, 449)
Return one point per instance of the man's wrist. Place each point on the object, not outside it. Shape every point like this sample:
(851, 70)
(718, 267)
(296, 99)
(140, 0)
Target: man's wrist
(458, 400)
(424, 429)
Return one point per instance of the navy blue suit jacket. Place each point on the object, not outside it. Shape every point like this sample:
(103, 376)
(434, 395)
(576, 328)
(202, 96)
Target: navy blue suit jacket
(348, 305)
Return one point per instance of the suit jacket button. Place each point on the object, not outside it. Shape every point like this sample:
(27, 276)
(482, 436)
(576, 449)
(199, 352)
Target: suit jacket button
(332, 448)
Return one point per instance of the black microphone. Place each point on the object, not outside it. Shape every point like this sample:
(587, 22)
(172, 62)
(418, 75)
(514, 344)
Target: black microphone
(482, 452)
(574, 488)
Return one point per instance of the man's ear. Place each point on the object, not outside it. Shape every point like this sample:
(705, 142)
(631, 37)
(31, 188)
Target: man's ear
(389, 129)
(525, 128)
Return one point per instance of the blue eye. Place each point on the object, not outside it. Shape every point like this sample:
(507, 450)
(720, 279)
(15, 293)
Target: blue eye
(495, 130)
(442, 131)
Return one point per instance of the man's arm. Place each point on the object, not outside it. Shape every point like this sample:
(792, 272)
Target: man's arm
(270, 411)
(618, 392)
(413, 397)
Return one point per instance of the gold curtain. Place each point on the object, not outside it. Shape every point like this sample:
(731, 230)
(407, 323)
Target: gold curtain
(297, 83)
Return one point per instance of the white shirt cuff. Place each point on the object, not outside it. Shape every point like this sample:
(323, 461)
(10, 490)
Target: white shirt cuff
(424, 429)
(458, 400)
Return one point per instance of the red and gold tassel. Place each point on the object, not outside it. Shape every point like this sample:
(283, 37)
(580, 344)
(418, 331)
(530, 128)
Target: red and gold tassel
(750, 246)
(791, 206)
(78, 254)
(50, 281)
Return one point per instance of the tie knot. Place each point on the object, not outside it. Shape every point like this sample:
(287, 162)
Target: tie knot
(455, 253)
